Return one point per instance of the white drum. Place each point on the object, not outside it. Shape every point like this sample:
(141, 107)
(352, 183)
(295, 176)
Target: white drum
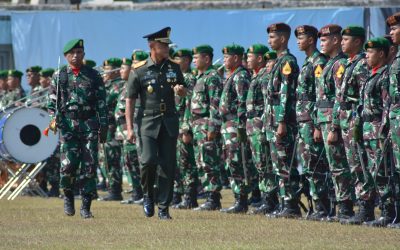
(21, 135)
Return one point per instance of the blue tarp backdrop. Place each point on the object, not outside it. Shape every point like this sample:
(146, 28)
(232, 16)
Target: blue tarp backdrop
(38, 37)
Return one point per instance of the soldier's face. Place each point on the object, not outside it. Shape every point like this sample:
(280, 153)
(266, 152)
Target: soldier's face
(252, 61)
(200, 61)
(3, 84)
(303, 42)
(274, 41)
(374, 57)
(395, 34)
(159, 50)
(124, 71)
(350, 45)
(45, 81)
(270, 64)
(32, 78)
(75, 57)
(13, 82)
(229, 61)
(326, 44)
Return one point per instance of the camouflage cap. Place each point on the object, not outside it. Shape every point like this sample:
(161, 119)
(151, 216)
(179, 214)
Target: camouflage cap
(15, 73)
(35, 69)
(353, 30)
(393, 19)
(330, 29)
(74, 43)
(203, 49)
(47, 72)
(3, 74)
(139, 55)
(161, 36)
(89, 63)
(114, 62)
(257, 49)
(377, 43)
(270, 55)
(389, 38)
(233, 49)
(182, 53)
(306, 30)
(278, 27)
(126, 61)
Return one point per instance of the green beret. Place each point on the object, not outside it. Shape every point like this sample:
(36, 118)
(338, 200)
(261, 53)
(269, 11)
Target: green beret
(35, 69)
(354, 31)
(257, 49)
(204, 49)
(15, 73)
(233, 49)
(47, 72)
(126, 61)
(114, 62)
(270, 55)
(139, 55)
(183, 52)
(3, 74)
(377, 43)
(75, 43)
(89, 63)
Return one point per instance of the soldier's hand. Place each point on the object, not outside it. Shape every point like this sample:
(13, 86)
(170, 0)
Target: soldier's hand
(131, 136)
(187, 138)
(103, 134)
(317, 135)
(211, 136)
(332, 137)
(281, 132)
(241, 134)
(180, 90)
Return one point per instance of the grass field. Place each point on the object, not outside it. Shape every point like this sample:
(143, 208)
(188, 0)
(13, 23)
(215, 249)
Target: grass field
(37, 223)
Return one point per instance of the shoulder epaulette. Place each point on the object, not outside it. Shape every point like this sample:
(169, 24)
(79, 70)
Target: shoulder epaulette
(139, 64)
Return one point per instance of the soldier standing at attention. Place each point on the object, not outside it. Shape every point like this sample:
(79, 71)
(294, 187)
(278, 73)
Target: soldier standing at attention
(33, 78)
(78, 109)
(232, 109)
(282, 118)
(14, 89)
(156, 81)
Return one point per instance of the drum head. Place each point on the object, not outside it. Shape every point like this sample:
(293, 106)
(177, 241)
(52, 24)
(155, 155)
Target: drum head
(23, 135)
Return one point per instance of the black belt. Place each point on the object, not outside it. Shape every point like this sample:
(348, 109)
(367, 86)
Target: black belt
(346, 105)
(371, 118)
(324, 104)
(80, 115)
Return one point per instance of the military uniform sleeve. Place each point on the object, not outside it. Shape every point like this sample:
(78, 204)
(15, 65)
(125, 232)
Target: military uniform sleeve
(287, 75)
(101, 102)
(242, 83)
(133, 86)
(318, 67)
(337, 73)
(214, 92)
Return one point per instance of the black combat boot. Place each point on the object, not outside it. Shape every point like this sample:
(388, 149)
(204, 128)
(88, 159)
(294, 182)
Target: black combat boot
(240, 205)
(255, 198)
(322, 209)
(345, 211)
(163, 214)
(114, 194)
(69, 203)
(85, 207)
(269, 204)
(148, 206)
(189, 200)
(291, 209)
(387, 216)
(365, 213)
(213, 202)
(176, 199)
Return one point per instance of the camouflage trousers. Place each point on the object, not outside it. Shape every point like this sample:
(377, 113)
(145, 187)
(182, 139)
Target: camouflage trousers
(338, 165)
(395, 135)
(282, 154)
(313, 159)
(78, 154)
(130, 157)
(259, 150)
(187, 175)
(234, 158)
(52, 168)
(207, 159)
(113, 157)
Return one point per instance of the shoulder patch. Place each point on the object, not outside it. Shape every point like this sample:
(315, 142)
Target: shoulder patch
(286, 70)
(318, 71)
(340, 72)
(139, 64)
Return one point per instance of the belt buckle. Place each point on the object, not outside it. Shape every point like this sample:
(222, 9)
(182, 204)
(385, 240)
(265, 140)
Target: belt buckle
(163, 107)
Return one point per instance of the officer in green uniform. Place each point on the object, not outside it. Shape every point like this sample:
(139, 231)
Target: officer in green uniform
(77, 107)
(156, 81)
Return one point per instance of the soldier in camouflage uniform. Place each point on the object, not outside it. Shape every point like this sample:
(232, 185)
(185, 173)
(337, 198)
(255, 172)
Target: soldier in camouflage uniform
(113, 147)
(392, 108)
(344, 110)
(186, 165)
(255, 108)
(201, 125)
(281, 118)
(371, 107)
(3, 83)
(311, 150)
(33, 78)
(232, 109)
(328, 83)
(393, 49)
(78, 109)
(14, 90)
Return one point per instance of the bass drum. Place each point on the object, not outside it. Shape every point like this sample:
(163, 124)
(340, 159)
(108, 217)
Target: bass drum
(21, 137)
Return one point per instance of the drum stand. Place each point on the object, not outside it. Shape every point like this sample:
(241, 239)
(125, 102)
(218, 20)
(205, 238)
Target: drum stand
(26, 177)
